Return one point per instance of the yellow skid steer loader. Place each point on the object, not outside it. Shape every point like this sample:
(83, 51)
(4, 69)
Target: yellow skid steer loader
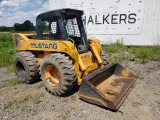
(62, 55)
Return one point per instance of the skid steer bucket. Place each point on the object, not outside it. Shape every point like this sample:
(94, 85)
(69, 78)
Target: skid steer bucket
(107, 87)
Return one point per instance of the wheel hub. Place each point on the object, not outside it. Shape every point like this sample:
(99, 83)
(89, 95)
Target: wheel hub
(52, 75)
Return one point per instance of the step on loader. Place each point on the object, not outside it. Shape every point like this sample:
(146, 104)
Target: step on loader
(61, 55)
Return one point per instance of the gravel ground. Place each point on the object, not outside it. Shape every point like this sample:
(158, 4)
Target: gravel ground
(32, 102)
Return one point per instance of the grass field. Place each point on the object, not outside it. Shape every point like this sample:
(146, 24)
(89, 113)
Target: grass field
(7, 50)
(139, 54)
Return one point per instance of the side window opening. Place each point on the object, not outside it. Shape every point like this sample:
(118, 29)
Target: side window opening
(49, 28)
(54, 27)
(74, 32)
(72, 28)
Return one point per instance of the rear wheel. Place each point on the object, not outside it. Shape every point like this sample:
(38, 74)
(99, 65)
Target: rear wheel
(57, 73)
(104, 58)
(26, 67)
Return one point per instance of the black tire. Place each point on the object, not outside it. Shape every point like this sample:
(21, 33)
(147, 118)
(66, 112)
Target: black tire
(58, 73)
(26, 67)
(104, 58)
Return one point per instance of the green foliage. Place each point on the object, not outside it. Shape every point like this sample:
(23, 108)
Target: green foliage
(115, 47)
(118, 52)
(5, 29)
(140, 52)
(13, 82)
(145, 54)
(6, 57)
(7, 50)
(155, 55)
(5, 37)
(22, 102)
(26, 26)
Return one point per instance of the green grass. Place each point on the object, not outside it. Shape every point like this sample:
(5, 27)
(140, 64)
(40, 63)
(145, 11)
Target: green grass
(6, 56)
(11, 82)
(140, 54)
(36, 98)
(7, 105)
(114, 47)
(22, 102)
(7, 50)
(145, 54)
(5, 37)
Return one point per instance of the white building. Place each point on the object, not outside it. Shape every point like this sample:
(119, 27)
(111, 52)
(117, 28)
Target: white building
(135, 22)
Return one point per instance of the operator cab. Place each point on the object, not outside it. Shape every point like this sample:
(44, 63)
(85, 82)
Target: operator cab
(63, 24)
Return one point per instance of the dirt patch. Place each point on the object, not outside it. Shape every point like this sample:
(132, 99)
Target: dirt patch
(20, 101)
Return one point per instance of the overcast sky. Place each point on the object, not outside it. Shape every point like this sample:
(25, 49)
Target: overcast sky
(17, 11)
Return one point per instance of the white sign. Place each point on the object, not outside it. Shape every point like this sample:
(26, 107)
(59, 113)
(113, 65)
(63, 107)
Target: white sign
(135, 22)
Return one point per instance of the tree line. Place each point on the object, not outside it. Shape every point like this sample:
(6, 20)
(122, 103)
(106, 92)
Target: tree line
(26, 26)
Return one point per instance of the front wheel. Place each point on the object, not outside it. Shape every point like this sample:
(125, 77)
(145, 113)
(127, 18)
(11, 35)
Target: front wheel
(58, 73)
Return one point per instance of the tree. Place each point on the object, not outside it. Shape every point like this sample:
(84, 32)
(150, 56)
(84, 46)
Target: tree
(5, 29)
(16, 27)
(26, 26)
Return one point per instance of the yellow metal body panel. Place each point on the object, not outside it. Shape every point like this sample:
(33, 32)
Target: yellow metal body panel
(89, 63)
(84, 63)
(96, 43)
